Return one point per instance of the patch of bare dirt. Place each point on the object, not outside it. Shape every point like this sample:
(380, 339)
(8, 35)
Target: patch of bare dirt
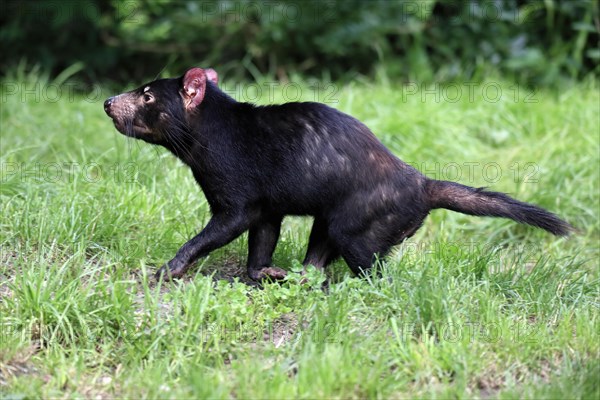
(8, 259)
(490, 383)
(282, 329)
(228, 270)
(18, 364)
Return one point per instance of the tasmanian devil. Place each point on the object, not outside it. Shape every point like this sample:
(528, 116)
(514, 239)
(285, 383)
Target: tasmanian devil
(257, 164)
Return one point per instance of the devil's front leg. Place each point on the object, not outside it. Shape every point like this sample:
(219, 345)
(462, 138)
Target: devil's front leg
(262, 240)
(220, 230)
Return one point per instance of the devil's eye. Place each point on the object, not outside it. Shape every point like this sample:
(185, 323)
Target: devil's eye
(147, 98)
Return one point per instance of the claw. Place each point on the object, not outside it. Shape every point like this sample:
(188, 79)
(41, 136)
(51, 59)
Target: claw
(274, 273)
(166, 273)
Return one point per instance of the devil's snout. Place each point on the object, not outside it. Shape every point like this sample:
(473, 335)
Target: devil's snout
(108, 103)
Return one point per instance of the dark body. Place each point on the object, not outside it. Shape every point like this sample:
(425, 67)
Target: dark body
(259, 164)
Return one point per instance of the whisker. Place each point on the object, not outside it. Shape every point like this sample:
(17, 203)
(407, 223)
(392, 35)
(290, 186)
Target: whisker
(178, 144)
(184, 132)
(160, 72)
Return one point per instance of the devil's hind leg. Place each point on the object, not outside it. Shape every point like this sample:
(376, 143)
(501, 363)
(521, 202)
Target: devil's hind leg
(262, 239)
(321, 250)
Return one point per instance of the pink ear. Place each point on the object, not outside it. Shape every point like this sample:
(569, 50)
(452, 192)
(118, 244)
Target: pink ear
(211, 75)
(194, 87)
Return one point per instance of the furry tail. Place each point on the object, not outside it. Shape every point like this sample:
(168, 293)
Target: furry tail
(478, 201)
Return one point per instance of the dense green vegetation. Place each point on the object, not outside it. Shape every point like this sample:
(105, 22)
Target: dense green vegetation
(468, 308)
(532, 41)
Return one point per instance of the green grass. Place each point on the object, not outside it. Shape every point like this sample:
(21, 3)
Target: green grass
(468, 308)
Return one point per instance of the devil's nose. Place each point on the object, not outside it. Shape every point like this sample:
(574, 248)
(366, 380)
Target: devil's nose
(108, 103)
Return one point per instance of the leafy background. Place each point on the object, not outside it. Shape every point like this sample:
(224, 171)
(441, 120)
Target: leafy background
(535, 42)
(80, 315)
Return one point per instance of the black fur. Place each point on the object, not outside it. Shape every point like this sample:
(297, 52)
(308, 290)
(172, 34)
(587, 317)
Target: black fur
(478, 201)
(259, 164)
